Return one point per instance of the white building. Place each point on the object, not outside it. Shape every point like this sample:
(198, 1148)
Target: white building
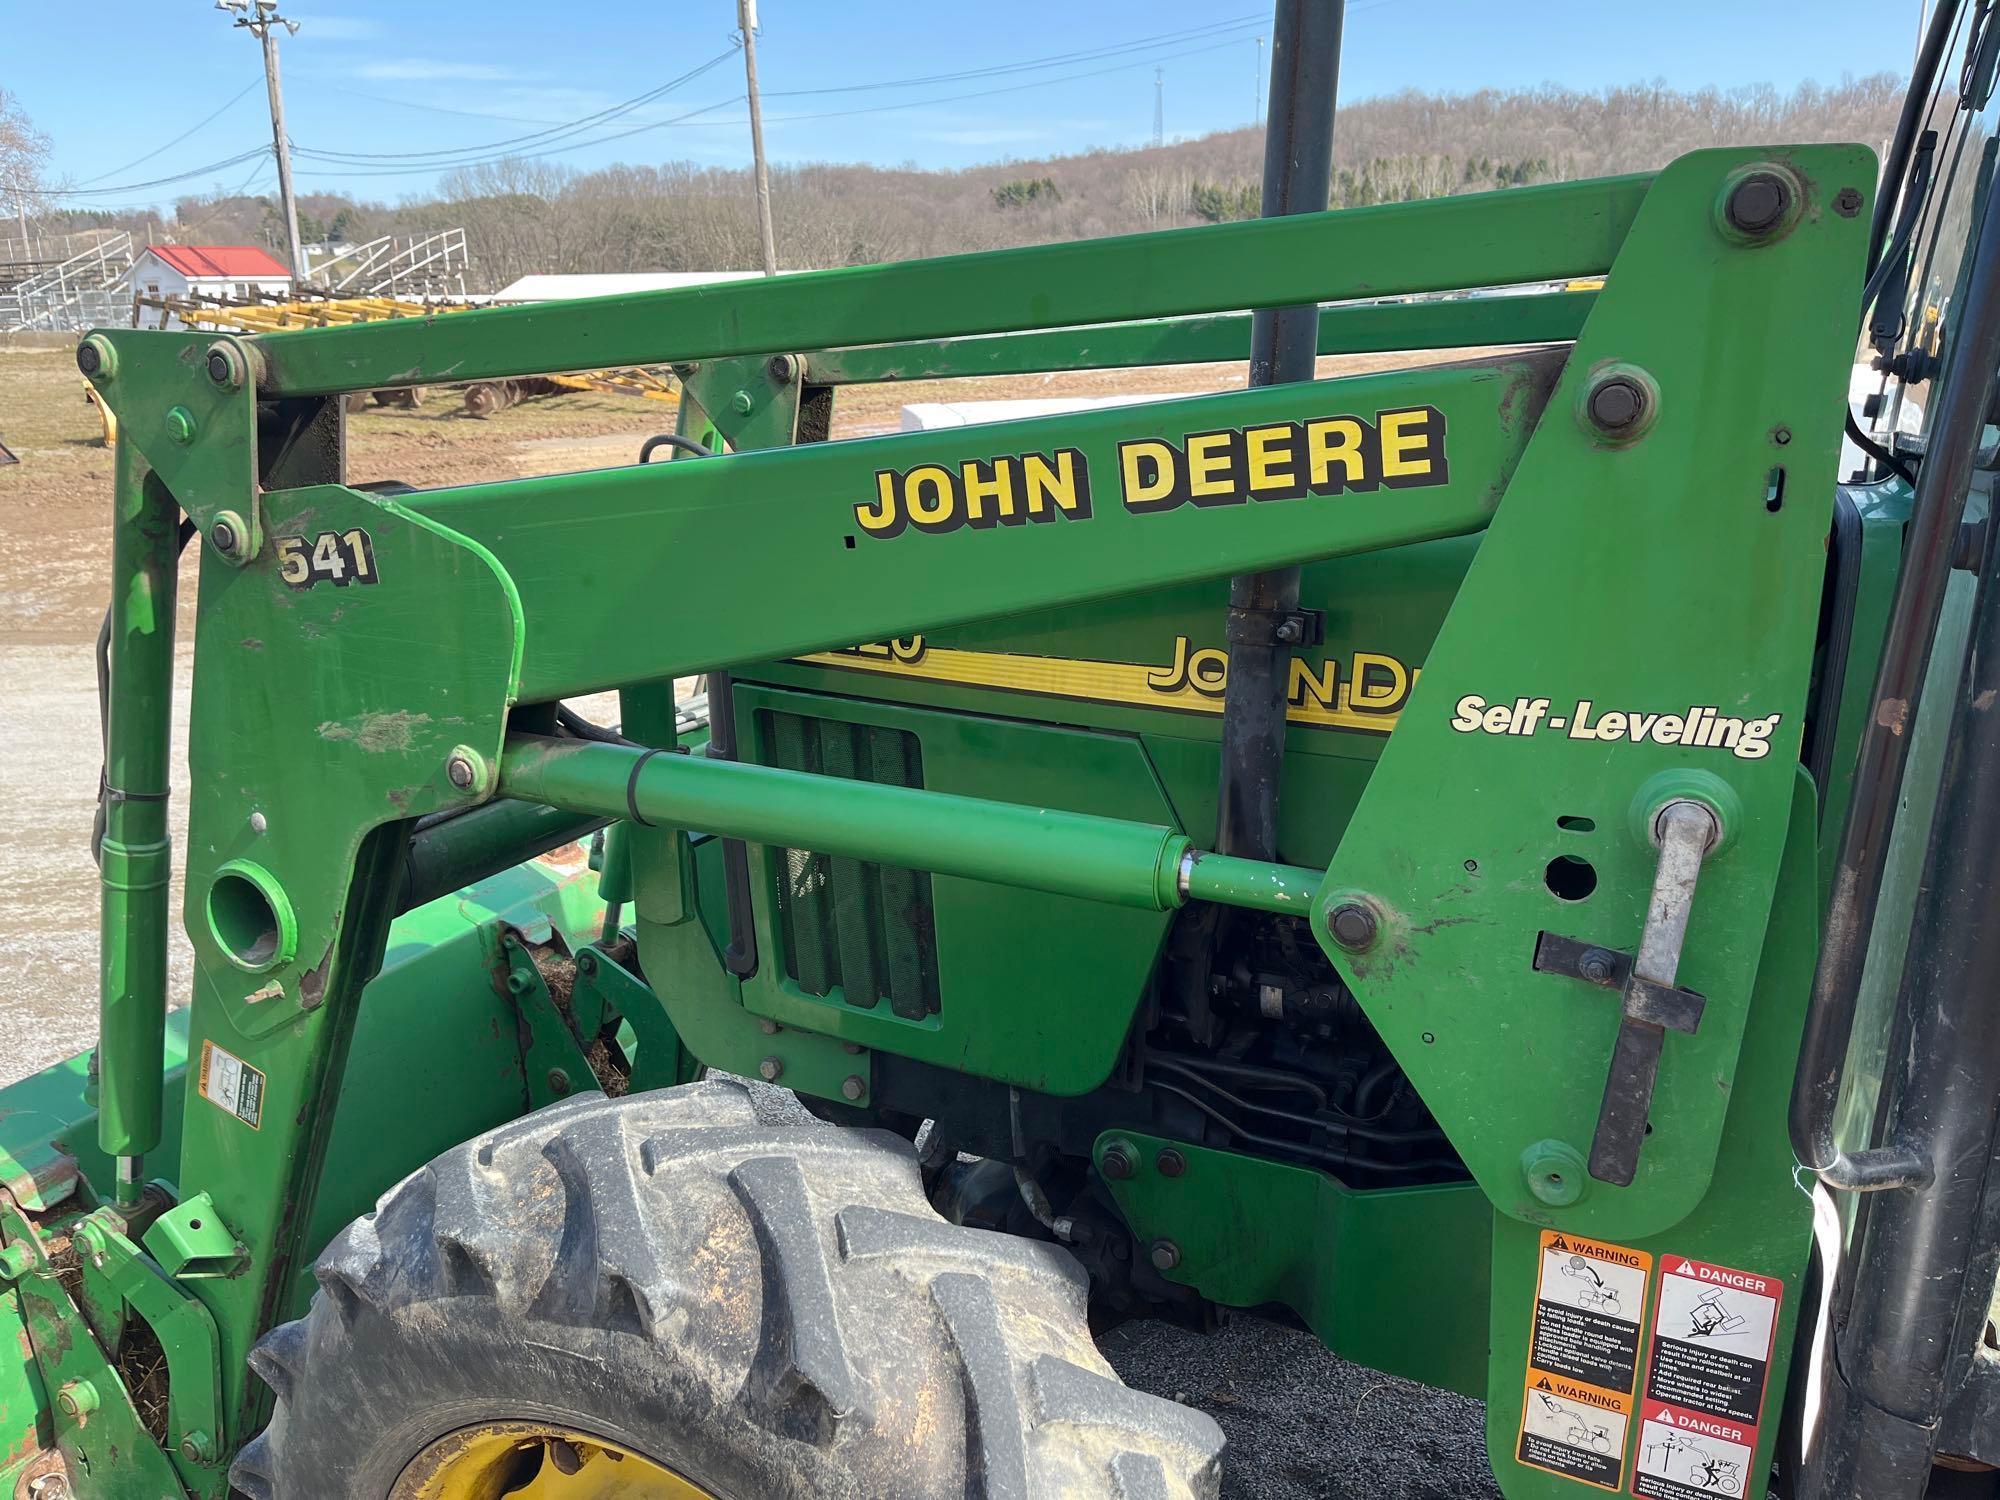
(232, 273)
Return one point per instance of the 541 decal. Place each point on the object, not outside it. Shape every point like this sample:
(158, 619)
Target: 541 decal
(335, 557)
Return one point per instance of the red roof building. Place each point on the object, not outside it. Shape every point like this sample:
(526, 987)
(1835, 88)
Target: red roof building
(219, 261)
(225, 262)
(226, 273)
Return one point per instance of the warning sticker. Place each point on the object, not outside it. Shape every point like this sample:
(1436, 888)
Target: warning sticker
(232, 1083)
(1686, 1456)
(1587, 1310)
(1574, 1429)
(1583, 1358)
(1713, 1331)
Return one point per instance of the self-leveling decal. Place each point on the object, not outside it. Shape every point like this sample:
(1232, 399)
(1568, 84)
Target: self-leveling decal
(1364, 692)
(1699, 726)
(1583, 1358)
(1712, 1335)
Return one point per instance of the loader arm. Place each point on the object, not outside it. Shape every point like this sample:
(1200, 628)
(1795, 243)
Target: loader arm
(1650, 508)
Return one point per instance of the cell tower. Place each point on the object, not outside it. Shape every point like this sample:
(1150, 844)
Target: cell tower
(1159, 106)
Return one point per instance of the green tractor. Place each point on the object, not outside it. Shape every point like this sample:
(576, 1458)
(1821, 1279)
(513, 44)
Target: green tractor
(1493, 861)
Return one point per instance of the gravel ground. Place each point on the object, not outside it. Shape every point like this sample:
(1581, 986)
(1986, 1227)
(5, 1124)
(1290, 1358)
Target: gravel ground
(1302, 1423)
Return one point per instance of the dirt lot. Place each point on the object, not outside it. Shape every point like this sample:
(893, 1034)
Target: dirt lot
(1302, 1423)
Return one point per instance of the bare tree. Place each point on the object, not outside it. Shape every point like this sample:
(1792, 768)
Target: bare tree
(23, 152)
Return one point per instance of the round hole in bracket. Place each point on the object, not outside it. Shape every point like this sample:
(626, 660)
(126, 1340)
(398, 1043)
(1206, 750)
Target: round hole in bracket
(250, 917)
(1570, 877)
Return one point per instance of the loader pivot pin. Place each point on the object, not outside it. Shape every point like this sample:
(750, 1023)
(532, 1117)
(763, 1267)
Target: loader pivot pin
(1353, 926)
(1758, 204)
(1617, 404)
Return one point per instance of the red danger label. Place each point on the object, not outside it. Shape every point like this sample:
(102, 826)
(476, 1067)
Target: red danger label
(1714, 1328)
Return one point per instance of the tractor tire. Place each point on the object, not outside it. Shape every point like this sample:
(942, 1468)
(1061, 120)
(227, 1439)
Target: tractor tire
(763, 1312)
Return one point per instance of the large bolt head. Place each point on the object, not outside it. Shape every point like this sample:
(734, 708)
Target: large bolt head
(225, 538)
(461, 772)
(852, 1088)
(1353, 925)
(1617, 404)
(1165, 1255)
(1118, 1161)
(771, 1069)
(89, 357)
(1758, 204)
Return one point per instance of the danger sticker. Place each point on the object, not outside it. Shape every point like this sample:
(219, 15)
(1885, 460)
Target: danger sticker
(230, 1082)
(1583, 1358)
(1685, 1456)
(1713, 1332)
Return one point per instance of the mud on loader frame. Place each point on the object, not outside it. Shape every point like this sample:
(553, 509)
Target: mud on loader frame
(1567, 915)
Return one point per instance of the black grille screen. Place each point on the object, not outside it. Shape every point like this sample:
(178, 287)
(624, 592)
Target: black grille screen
(848, 924)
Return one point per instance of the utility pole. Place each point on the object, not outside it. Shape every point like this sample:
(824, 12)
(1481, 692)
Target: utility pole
(258, 17)
(1257, 111)
(746, 18)
(1159, 106)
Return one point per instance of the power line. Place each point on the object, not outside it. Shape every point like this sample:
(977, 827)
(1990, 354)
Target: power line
(1055, 60)
(335, 169)
(223, 199)
(538, 137)
(234, 100)
(435, 109)
(1040, 83)
(133, 187)
(998, 69)
(775, 119)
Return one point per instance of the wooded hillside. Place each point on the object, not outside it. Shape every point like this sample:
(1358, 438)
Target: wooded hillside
(534, 216)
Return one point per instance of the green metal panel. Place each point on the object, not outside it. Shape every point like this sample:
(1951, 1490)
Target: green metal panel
(1395, 1279)
(1587, 597)
(1038, 990)
(26, 1407)
(1753, 1218)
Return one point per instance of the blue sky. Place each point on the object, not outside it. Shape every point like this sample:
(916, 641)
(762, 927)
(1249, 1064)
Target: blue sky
(379, 78)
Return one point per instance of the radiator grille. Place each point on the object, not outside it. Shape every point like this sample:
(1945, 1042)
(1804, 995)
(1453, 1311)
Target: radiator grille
(848, 924)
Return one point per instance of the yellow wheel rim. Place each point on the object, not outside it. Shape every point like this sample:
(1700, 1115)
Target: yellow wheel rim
(536, 1461)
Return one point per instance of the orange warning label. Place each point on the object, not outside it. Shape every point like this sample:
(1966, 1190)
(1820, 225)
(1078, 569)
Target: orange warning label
(1583, 1358)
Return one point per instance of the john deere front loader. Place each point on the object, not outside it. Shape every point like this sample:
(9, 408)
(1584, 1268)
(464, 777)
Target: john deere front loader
(1493, 861)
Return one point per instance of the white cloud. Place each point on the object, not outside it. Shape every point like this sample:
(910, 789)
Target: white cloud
(422, 68)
